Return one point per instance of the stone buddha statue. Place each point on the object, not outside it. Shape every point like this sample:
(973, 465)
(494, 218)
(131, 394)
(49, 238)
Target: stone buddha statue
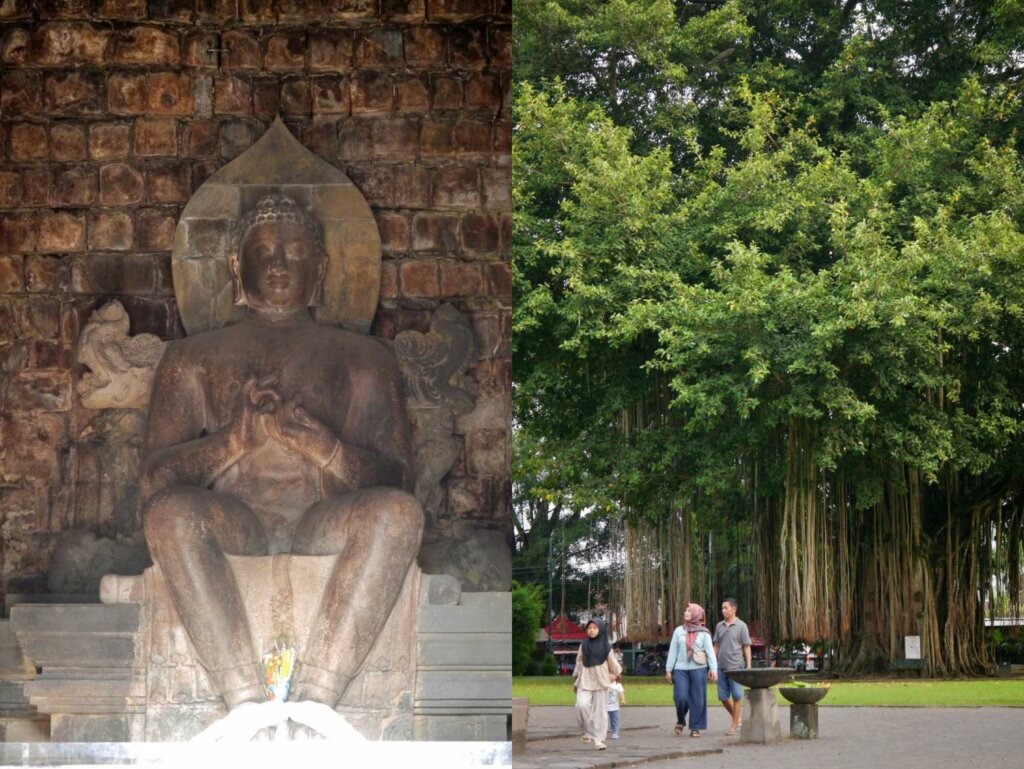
(276, 435)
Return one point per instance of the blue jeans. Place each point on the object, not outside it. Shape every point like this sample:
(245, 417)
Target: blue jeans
(613, 721)
(690, 692)
(727, 687)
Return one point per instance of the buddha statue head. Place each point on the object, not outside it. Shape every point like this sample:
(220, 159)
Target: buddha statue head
(279, 260)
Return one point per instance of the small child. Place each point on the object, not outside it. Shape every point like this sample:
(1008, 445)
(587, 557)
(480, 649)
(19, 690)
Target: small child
(616, 694)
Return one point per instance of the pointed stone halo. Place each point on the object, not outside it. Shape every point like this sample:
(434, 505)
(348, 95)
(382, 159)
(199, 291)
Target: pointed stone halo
(277, 162)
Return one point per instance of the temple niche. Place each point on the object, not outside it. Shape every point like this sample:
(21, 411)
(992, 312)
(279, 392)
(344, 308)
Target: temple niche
(311, 455)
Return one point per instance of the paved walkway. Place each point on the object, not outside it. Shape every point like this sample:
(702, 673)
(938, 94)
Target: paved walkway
(851, 738)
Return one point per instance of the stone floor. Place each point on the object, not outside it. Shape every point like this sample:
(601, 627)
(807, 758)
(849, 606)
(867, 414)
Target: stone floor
(851, 738)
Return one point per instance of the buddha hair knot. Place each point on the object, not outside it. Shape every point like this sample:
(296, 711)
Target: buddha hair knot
(278, 207)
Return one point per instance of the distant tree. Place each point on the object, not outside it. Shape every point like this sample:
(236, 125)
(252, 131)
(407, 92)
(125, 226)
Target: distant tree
(527, 610)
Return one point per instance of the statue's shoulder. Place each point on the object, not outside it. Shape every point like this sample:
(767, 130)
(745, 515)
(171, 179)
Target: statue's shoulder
(365, 344)
(199, 347)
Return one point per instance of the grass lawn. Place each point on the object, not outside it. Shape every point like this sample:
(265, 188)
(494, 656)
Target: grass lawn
(988, 692)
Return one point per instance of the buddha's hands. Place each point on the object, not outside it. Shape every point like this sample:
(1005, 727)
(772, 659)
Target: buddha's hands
(257, 401)
(304, 433)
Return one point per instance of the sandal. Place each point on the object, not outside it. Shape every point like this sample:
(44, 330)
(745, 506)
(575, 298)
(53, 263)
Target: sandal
(679, 728)
(600, 745)
(695, 733)
(586, 738)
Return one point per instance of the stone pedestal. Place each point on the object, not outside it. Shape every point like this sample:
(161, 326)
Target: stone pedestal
(520, 717)
(803, 722)
(760, 718)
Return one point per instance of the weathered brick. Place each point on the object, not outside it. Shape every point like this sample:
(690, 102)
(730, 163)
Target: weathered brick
(354, 140)
(394, 232)
(15, 44)
(67, 141)
(46, 274)
(480, 234)
(108, 141)
(372, 92)
(27, 141)
(425, 47)
(171, 10)
(235, 138)
(156, 137)
(257, 11)
(412, 186)
(38, 186)
(63, 9)
(497, 186)
(51, 355)
(376, 183)
(10, 189)
(447, 93)
(232, 96)
(501, 47)
(37, 317)
(295, 97)
(435, 232)
(286, 51)
(461, 279)
(61, 231)
(321, 137)
(148, 46)
(503, 137)
(419, 278)
(487, 453)
(12, 274)
(350, 9)
(201, 138)
(120, 184)
(473, 136)
(379, 48)
(242, 50)
(30, 441)
(468, 47)
(113, 274)
(217, 10)
(331, 49)
(499, 280)
(169, 182)
(76, 186)
(404, 10)
(60, 43)
(266, 98)
(503, 10)
(169, 94)
(412, 95)
(110, 231)
(436, 138)
(331, 95)
(388, 281)
(483, 92)
(20, 93)
(457, 10)
(123, 9)
(457, 187)
(395, 137)
(299, 10)
(199, 49)
(154, 228)
(73, 93)
(126, 94)
(506, 234)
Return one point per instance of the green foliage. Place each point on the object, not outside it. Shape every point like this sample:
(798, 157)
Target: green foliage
(527, 609)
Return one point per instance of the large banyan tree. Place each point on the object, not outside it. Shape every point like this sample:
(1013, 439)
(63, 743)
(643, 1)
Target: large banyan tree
(768, 266)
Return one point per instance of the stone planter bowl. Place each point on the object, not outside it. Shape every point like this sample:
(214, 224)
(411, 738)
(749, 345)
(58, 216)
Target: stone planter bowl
(760, 678)
(803, 695)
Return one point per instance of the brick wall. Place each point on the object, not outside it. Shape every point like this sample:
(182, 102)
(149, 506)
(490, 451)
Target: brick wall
(113, 111)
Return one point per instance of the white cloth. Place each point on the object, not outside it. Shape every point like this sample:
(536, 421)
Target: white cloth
(592, 713)
(614, 691)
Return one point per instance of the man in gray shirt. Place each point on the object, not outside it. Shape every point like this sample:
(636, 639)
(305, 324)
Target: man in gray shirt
(732, 647)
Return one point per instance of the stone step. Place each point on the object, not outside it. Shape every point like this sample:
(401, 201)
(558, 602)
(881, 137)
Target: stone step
(470, 651)
(465, 619)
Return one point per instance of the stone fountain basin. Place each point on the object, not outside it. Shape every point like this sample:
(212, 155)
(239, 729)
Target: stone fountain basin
(803, 695)
(760, 678)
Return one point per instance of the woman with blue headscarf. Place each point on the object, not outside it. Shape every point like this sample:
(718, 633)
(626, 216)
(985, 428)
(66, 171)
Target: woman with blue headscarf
(596, 668)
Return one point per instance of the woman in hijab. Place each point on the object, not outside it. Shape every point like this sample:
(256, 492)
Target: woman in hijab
(691, 664)
(596, 668)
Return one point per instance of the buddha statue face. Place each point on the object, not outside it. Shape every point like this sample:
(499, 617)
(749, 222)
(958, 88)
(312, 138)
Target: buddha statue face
(280, 261)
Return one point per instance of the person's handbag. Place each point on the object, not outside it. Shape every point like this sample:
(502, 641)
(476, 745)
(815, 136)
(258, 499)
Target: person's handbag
(700, 657)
